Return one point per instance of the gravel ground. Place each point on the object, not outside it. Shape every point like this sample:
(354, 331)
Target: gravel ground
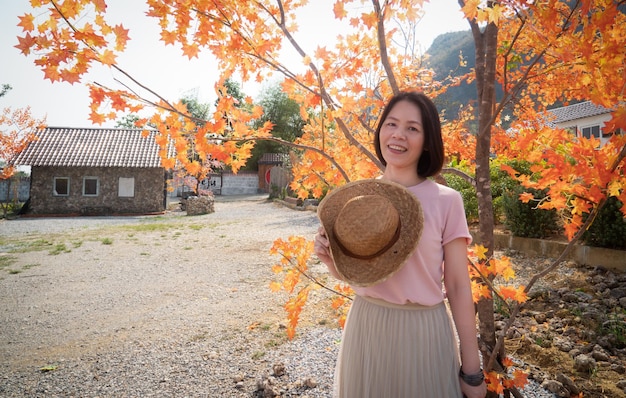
(159, 306)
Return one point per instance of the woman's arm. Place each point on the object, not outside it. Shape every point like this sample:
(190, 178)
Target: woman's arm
(459, 293)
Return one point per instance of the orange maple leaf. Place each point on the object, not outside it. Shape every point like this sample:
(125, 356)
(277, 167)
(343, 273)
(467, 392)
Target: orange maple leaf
(516, 294)
(168, 37)
(493, 382)
(370, 19)
(520, 378)
(168, 163)
(339, 10)
(107, 57)
(190, 50)
(121, 37)
(25, 43)
(97, 118)
(69, 76)
(26, 22)
(526, 197)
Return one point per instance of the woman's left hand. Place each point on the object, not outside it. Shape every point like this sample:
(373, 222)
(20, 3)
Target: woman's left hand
(474, 392)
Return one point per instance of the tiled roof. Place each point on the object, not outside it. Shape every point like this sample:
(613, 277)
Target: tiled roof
(92, 147)
(577, 111)
(273, 158)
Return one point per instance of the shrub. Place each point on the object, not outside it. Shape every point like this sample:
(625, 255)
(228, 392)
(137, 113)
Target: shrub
(500, 180)
(524, 219)
(609, 228)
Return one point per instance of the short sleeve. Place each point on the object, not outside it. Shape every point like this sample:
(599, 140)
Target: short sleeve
(456, 222)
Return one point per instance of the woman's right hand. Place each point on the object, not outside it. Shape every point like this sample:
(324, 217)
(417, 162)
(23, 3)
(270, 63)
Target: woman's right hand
(321, 247)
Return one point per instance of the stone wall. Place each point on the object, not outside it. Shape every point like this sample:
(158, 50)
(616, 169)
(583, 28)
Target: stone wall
(149, 196)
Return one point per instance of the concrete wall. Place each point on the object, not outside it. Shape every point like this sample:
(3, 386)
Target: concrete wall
(584, 255)
(242, 183)
(17, 186)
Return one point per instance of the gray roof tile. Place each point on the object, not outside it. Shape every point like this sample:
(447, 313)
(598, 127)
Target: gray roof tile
(577, 111)
(92, 147)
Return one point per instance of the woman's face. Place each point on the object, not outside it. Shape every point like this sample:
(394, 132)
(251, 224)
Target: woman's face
(402, 136)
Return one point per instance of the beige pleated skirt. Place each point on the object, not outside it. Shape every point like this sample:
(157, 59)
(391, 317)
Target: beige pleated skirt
(397, 351)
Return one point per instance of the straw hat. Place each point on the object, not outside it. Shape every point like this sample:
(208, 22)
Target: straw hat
(373, 227)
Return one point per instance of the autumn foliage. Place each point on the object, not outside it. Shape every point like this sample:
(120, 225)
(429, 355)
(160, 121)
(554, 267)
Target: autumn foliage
(17, 129)
(539, 53)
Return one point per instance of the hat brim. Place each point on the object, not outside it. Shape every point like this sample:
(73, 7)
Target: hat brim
(361, 272)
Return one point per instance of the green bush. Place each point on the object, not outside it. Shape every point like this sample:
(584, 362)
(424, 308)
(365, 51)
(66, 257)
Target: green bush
(524, 219)
(608, 230)
(500, 181)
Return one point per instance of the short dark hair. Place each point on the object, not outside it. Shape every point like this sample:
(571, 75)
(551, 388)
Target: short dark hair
(432, 157)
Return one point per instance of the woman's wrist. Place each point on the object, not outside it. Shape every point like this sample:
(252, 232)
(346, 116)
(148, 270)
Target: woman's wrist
(472, 379)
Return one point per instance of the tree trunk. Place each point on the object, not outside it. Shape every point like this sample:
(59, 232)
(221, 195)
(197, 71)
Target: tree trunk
(486, 52)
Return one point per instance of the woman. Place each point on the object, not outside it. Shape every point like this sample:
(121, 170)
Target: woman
(398, 340)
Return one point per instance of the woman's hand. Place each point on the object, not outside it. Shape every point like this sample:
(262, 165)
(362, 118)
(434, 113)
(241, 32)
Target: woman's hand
(321, 247)
(473, 392)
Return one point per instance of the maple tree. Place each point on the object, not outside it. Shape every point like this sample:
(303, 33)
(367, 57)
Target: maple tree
(17, 129)
(540, 53)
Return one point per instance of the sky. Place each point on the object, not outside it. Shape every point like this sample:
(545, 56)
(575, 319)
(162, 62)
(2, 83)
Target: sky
(161, 68)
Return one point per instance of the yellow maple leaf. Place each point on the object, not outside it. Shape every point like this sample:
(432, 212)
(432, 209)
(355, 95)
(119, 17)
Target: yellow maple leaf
(615, 188)
(275, 286)
(480, 252)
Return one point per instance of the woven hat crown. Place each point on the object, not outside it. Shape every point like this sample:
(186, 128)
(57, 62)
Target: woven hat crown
(367, 226)
(373, 226)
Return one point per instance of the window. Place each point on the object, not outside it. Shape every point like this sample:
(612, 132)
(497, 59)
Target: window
(591, 131)
(90, 186)
(126, 187)
(61, 186)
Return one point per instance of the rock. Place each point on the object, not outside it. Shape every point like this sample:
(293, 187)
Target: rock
(584, 364)
(540, 317)
(600, 355)
(556, 388)
(310, 382)
(618, 368)
(278, 369)
(618, 293)
(563, 345)
(568, 384)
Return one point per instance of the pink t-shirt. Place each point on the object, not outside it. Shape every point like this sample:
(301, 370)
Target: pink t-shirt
(419, 280)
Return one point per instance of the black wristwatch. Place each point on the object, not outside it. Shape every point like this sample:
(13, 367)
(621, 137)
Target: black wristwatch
(474, 379)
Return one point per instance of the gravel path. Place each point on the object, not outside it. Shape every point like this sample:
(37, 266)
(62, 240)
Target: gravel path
(158, 306)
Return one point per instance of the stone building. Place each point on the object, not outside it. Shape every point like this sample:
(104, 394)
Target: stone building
(93, 171)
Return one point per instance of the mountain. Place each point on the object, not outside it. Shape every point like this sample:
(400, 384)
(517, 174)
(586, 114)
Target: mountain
(443, 57)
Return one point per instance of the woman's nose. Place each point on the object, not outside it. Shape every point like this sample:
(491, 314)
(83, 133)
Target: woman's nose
(399, 133)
